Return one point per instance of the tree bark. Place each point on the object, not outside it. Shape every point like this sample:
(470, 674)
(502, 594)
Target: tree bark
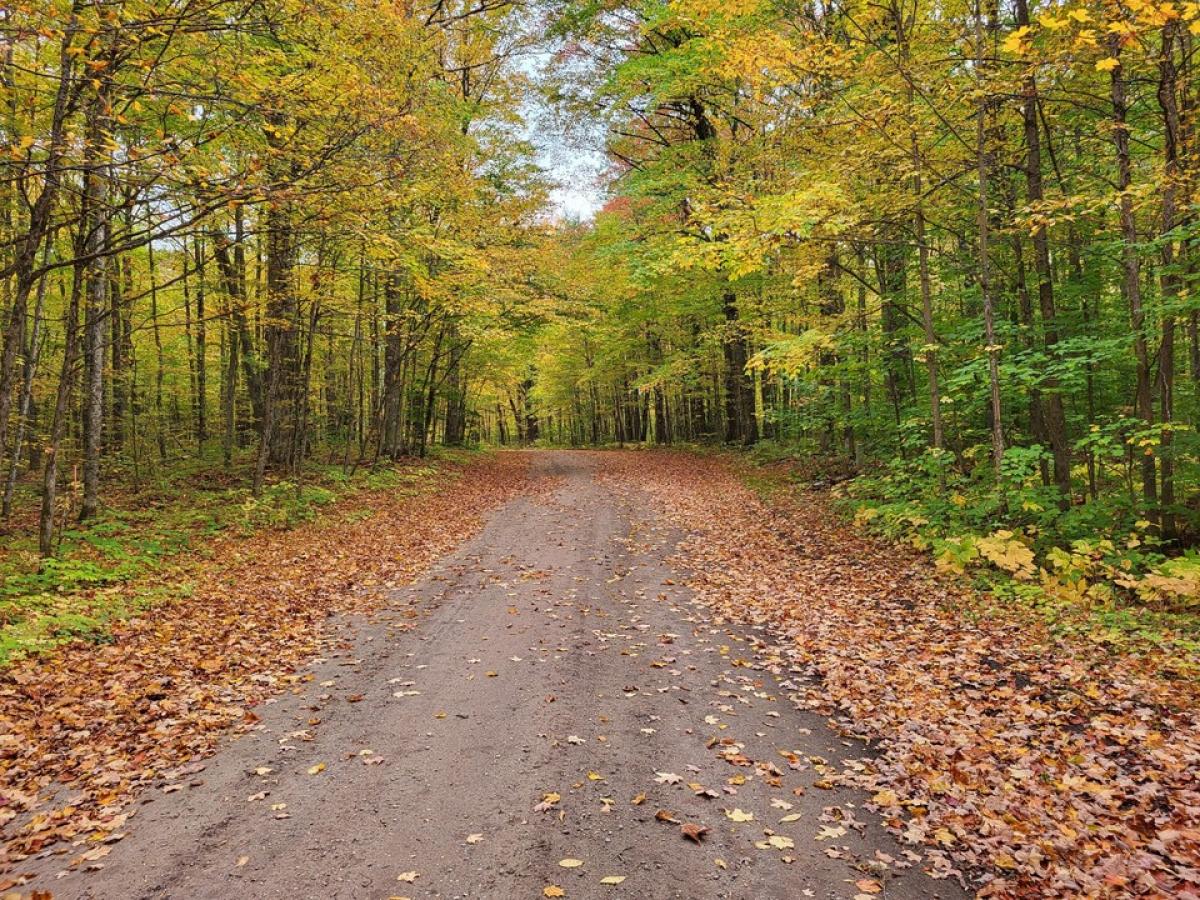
(741, 426)
(96, 187)
(983, 168)
(1052, 401)
(62, 403)
(1131, 287)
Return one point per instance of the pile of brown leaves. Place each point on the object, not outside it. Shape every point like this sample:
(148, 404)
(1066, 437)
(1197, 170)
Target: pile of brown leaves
(83, 729)
(1033, 764)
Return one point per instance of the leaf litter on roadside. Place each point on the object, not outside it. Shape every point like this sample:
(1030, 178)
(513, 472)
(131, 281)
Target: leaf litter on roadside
(1035, 763)
(110, 720)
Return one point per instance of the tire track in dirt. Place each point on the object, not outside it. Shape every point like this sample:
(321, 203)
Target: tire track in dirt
(550, 691)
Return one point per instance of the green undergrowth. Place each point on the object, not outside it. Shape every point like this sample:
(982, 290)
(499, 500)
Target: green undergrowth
(150, 535)
(1091, 572)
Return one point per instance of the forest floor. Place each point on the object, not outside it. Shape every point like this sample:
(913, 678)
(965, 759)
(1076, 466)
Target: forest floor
(591, 674)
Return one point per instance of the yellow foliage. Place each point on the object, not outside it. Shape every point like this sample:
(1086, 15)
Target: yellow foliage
(1006, 552)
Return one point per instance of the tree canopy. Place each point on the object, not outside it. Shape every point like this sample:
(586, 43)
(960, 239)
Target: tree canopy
(948, 248)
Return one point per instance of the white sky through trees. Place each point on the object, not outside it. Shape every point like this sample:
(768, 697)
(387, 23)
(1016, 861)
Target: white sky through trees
(572, 155)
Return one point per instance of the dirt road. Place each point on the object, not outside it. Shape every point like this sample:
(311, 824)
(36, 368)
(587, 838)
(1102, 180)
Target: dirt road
(560, 700)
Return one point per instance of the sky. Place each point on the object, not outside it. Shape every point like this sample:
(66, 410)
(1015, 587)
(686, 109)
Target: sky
(575, 161)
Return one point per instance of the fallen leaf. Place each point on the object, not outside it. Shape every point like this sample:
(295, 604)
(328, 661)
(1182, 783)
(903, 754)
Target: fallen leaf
(548, 802)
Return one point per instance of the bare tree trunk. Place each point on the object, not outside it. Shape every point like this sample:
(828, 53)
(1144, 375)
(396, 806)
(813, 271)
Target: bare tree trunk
(33, 352)
(201, 349)
(741, 426)
(62, 403)
(1131, 288)
(96, 184)
(232, 269)
(1052, 401)
(160, 425)
(229, 389)
(39, 224)
(930, 350)
(983, 167)
(1170, 279)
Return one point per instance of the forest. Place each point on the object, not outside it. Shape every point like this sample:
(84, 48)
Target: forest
(482, 377)
(943, 252)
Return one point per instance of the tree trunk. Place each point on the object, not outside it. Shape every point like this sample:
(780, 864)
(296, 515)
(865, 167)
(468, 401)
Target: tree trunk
(1131, 288)
(39, 222)
(1170, 280)
(741, 426)
(33, 352)
(201, 349)
(62, 404)
(96, 182)
(160, 424)
(983, 168)
(1052, 401)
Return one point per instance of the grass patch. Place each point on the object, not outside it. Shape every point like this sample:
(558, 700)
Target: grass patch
(137, 553)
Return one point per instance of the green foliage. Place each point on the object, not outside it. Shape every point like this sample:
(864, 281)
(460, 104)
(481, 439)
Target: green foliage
(137, 555)
(282, 505)
(1095, 560)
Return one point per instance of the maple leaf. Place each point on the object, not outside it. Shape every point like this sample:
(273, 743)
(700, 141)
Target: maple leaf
(548, 802)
